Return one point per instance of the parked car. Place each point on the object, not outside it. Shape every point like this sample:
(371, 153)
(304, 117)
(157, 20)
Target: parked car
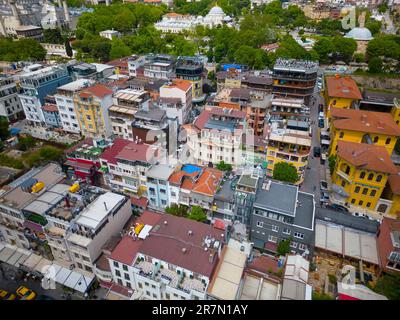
(5, 295)
(317, 151)
(324, 185)
(321, 123)
(338, 207)
(25, 293)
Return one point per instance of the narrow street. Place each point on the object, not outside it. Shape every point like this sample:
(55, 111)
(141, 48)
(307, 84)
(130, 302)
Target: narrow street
(316, 171)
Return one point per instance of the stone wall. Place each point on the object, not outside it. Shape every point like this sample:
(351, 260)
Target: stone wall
(377, 82)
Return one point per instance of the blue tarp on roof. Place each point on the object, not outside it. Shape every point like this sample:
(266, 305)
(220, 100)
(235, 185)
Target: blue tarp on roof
(14, 131)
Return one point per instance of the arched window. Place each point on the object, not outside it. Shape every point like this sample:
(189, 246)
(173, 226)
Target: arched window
(388, 141)
(370, 176)
(379, 178)
(376, 138)
(341, 135)
(362, 175)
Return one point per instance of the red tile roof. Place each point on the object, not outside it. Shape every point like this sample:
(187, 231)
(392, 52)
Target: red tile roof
(343, 87)
(264, 264)
(88, 141)
(126, 251)
(140, 202)
(394, 182)
(50, 107)
(364, 121)
(184, 85)
(97, 90)
(170, 239)
(366, 156)
(128, 150)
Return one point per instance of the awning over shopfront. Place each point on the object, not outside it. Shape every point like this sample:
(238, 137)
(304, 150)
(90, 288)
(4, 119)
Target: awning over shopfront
(71, 279)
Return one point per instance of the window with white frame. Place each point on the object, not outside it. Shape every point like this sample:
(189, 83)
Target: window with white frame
(302, 246)
(259, 224)
(293, 244)
(298, 235)
(272, 239)
(275, 228)
(286, 230)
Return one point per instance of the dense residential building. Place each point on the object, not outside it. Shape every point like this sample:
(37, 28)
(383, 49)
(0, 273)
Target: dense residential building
(216, 135)
(159, 66)
(135, 63)
(192, 69)
(368, 127)
(290, 146)
(167, 257)
(182, 90)
(194, 185)
(35, 86)
(122, 113)
(158, 188)
(10, 105)
(395, 111)
(65, 104)
(360, 175)
(392, 194)
(294, 78)
(94, 71)
(287, 109)
(14, 221)
(51, 114)
(91, 106)
(388, 241)
(341, 92)
(127, 163)
(83, 160)
(295, 284)
(276, 218)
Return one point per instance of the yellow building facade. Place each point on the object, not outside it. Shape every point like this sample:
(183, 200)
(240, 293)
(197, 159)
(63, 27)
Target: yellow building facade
(395, 112)
(340, 92)
(376, 128)
(360, 175)
(293, 147)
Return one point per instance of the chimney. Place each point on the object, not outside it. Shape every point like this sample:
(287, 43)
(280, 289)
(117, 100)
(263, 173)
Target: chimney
(66, 12)
(15, 12)
(105, 205)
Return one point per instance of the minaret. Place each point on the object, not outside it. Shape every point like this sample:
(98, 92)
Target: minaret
(15, 12)
(59, 3)
(3, 31)
(66, 12)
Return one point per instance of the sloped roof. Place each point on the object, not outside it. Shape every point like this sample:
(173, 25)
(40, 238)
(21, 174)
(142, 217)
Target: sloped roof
(343, 87)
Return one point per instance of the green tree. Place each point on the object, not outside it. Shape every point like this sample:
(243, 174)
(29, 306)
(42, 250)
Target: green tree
(284, 247)
(53, 36)
(197, 213)
(224, 166)
(359, 57)
(375, 65)
(374, 26)
(119, 49)
(389, 285)
(177, 210)
(325, 48)
(286, 172)
(383, 7)
(332, 163)
(4, 128)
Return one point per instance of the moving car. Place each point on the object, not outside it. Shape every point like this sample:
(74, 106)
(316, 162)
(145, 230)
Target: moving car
(317, 151)
(5, 295)
(324, 185)
(25, 293)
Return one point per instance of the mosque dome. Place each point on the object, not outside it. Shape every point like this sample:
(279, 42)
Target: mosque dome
(360, 34)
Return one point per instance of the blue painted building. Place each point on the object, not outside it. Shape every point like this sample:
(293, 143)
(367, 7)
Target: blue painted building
(158, 186)
(36, 85)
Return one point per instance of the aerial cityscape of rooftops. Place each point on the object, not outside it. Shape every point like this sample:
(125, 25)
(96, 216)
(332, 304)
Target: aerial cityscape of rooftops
(199, 150)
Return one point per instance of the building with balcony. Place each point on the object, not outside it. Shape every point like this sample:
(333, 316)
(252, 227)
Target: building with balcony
(367, 127)
(360, 175)
(51, 115)
(216, 135)
(290, 146)
(158, 186)
(182, 90)
(127, 163)
(35, 86)
(192, 69)
(91, 107)
(10, 105)
(341, 92)
(125, 104)
(294, 78)
(388, 242)
(65, 104)
(134, 64)
(275, 218)
(83, 160)
(15, 226)
(288, 109)
(167, 258)
(194, 185)
(159, 66)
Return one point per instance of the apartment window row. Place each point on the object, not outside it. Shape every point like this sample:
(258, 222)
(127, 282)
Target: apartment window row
(370, 176)
(360, 203)
(365, 191)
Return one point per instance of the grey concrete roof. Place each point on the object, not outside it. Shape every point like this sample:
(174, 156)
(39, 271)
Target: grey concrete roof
(346, 220)
(225, 193)
(153, 114)
(160, 171)
(248, 181)
(279, 198)
(305, 211)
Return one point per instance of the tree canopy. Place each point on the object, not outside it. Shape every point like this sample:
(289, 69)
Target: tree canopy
(22, 49)
(197, 213)
(286, 172)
